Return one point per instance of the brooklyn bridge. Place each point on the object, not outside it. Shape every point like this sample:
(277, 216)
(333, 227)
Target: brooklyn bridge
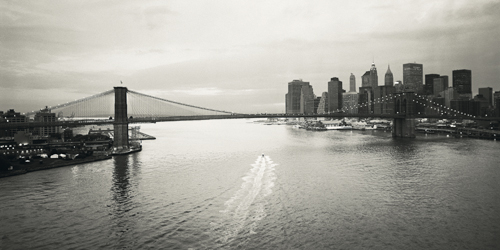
(121, 107)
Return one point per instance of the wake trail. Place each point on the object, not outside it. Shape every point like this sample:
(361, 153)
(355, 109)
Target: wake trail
(246, 208)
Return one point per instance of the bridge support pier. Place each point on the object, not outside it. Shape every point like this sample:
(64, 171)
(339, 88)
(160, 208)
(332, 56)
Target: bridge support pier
(121, 120)
(404, 105)
(403, 128)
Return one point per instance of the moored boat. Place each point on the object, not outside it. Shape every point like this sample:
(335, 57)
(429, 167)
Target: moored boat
(337, 127)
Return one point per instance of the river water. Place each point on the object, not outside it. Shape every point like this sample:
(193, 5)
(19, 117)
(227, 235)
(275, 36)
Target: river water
(206, 185)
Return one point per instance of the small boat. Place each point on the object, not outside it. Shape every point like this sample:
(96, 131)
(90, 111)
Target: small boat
(337, 127)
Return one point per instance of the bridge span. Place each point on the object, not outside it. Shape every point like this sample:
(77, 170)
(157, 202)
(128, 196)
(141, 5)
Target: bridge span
(141, 108)
(83, 122)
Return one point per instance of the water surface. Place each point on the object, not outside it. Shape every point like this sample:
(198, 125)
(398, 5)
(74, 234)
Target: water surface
(206, 185)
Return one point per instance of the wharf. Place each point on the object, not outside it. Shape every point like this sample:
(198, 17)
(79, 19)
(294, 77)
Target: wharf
(48, 164)
(134, 135)
(463, 132)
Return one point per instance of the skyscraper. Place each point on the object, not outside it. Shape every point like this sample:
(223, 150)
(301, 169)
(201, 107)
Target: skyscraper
(323, 104)
(373, 76)
(334, 95)
(439, 85)
(352, 83)
(350, 102)
(449, 94)
(365, 79)
(487, 93)
(429, 84)
(389, 78)
(462, 82)
(413, 77)
(300, 98)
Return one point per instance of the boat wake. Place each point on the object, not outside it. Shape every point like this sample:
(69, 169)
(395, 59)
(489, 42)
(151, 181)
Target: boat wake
(247, 207)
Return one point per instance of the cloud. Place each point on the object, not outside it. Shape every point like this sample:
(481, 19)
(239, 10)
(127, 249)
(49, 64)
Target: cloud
(235, 52)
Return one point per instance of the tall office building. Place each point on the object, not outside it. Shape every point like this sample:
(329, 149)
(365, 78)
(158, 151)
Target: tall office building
(448, 95)
(365, 79)
(300, 98)
(382, 104)
(487, 93)
(496, 103)
(373, 76)
(389, 78)
(496, 96)
(429, 84)
(439, 85)
(398, 85)
(413, 77)
(350, 102)
(462, 82)
(365, 96)
(323, 104)
(334, 95)
(352, 83)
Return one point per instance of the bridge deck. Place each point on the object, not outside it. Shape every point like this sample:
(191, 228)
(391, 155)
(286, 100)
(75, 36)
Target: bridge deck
(76, 123)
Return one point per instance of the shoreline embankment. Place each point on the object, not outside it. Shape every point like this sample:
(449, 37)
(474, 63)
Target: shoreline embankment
(49, 164)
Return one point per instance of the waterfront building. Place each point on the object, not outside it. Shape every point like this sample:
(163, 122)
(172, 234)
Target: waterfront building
(323, 104)
(350, 102)
(334, 94)
(429, 84)
(352, 83)
(413, 77)
(462, 82)
(300, 98)
(45, 116)
(487, 93)
(12, 117)
(389, 78)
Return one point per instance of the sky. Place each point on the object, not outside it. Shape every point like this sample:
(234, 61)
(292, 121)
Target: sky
(233, 55)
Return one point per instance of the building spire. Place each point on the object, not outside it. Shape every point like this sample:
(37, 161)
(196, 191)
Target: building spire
(388, 69)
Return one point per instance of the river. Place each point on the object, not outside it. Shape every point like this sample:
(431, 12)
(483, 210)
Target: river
(236, 184)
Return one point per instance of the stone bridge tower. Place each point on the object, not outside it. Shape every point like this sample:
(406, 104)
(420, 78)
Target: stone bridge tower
(121, 120)
(404, 106)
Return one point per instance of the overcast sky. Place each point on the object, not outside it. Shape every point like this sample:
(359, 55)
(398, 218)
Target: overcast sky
(233, 55)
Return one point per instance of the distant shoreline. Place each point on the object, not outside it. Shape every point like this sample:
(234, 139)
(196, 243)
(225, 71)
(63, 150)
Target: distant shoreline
(49, 164)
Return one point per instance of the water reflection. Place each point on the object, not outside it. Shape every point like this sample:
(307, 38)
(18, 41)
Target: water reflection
(121, 178)
(403, 149)
(125, 172)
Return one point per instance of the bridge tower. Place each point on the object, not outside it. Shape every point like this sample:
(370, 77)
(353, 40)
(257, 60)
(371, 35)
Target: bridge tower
(404, 106)
(121, 121)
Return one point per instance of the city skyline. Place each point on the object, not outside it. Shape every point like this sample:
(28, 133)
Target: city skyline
(239, 55)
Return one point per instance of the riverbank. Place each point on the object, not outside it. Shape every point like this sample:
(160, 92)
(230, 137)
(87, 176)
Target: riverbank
(19, 169)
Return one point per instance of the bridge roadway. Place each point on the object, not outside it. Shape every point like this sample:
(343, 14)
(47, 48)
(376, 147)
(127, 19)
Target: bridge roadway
(83, 122)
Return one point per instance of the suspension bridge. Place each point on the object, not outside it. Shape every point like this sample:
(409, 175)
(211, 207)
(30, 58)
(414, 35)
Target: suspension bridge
(121, 106)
